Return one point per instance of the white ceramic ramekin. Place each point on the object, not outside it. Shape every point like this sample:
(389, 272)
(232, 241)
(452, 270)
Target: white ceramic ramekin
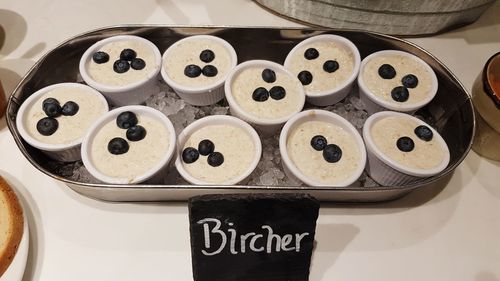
(375, 104)
(267, 126)
(338, 93)
(61, 152)
(158, 170)
(387, 171)
(291, 169)
(217, 120)
(208, 94)
(130, 94)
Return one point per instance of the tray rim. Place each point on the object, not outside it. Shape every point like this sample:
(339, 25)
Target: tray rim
(144, 187)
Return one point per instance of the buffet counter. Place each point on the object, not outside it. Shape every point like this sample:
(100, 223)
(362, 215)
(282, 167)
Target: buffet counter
(448, 231)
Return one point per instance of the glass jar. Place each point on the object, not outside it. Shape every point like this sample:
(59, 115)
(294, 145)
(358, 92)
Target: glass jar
(486, 100)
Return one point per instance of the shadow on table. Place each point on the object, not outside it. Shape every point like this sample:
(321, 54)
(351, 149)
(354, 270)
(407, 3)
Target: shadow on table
(13, 29)
(35, 223)
(486, 180)
(486, 276)
(330, 241)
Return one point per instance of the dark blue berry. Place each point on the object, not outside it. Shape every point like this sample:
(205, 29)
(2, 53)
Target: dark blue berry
(126, 120)
(268, 75)
(205, 147)
(410, 81)
(311, 54)
(189, 155)
(405, 144)
(136, 133)
(386, 71)
(332, 153)
(128, 54)
(400, 94)
(423, 133)
(330, 66)
(192, 71)
(100, 57)
(70, 108)
(305, 77)
(215, 159)
(209, 70)
(118, 146)
(138, 64)
(207, 56)
(318, 142)
(277, 92)
(121, 66)
(52, 109)
(260, 94)
(47, 126)
(48, 101)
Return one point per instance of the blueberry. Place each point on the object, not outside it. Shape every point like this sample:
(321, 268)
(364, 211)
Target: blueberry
(100, 57)
(423, 133)
(410, 81)
(386, 71)
(330, 66)
(215, 159)
(121, 66)
(332, 153)
(318, 142)
(400, 94)
(260, 94)
(189, 155)
(192, 71)
(268, 75)
(207, 56)
(126, 120)
(205, 147)
(128, 54)
(136, 133)
(405, 144)
(209, 70)
(277, 92)
(138, 64)
(52, 109)
(311, 54)
(47, 126)
(70, 108)
(305, 77)
(48, 101)
(118, 146)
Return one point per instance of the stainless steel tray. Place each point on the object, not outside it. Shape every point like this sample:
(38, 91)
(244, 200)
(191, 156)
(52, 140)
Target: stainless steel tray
(451, 110)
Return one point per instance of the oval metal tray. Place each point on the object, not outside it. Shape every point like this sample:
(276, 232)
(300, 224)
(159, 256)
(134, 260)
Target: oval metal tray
(451, 109)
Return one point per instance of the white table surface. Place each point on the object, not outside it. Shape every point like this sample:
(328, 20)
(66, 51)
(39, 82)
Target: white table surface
(449, 233)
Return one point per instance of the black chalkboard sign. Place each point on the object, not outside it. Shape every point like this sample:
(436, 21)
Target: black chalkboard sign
(265, 237)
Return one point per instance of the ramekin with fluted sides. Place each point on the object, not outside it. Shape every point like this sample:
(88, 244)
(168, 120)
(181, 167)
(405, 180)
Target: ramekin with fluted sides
(426, 88)
(116, 86)
(239, 95)
(388, 171)
(200, 90)
(147, 159)
(324, 93)
(70, 134)
(229, 148)
(334, 122)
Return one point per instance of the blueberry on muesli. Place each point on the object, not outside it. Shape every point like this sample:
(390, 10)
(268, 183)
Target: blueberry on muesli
(70, 108)
(190, 155)
(126, 120)
(118, 146)
(47, 126)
